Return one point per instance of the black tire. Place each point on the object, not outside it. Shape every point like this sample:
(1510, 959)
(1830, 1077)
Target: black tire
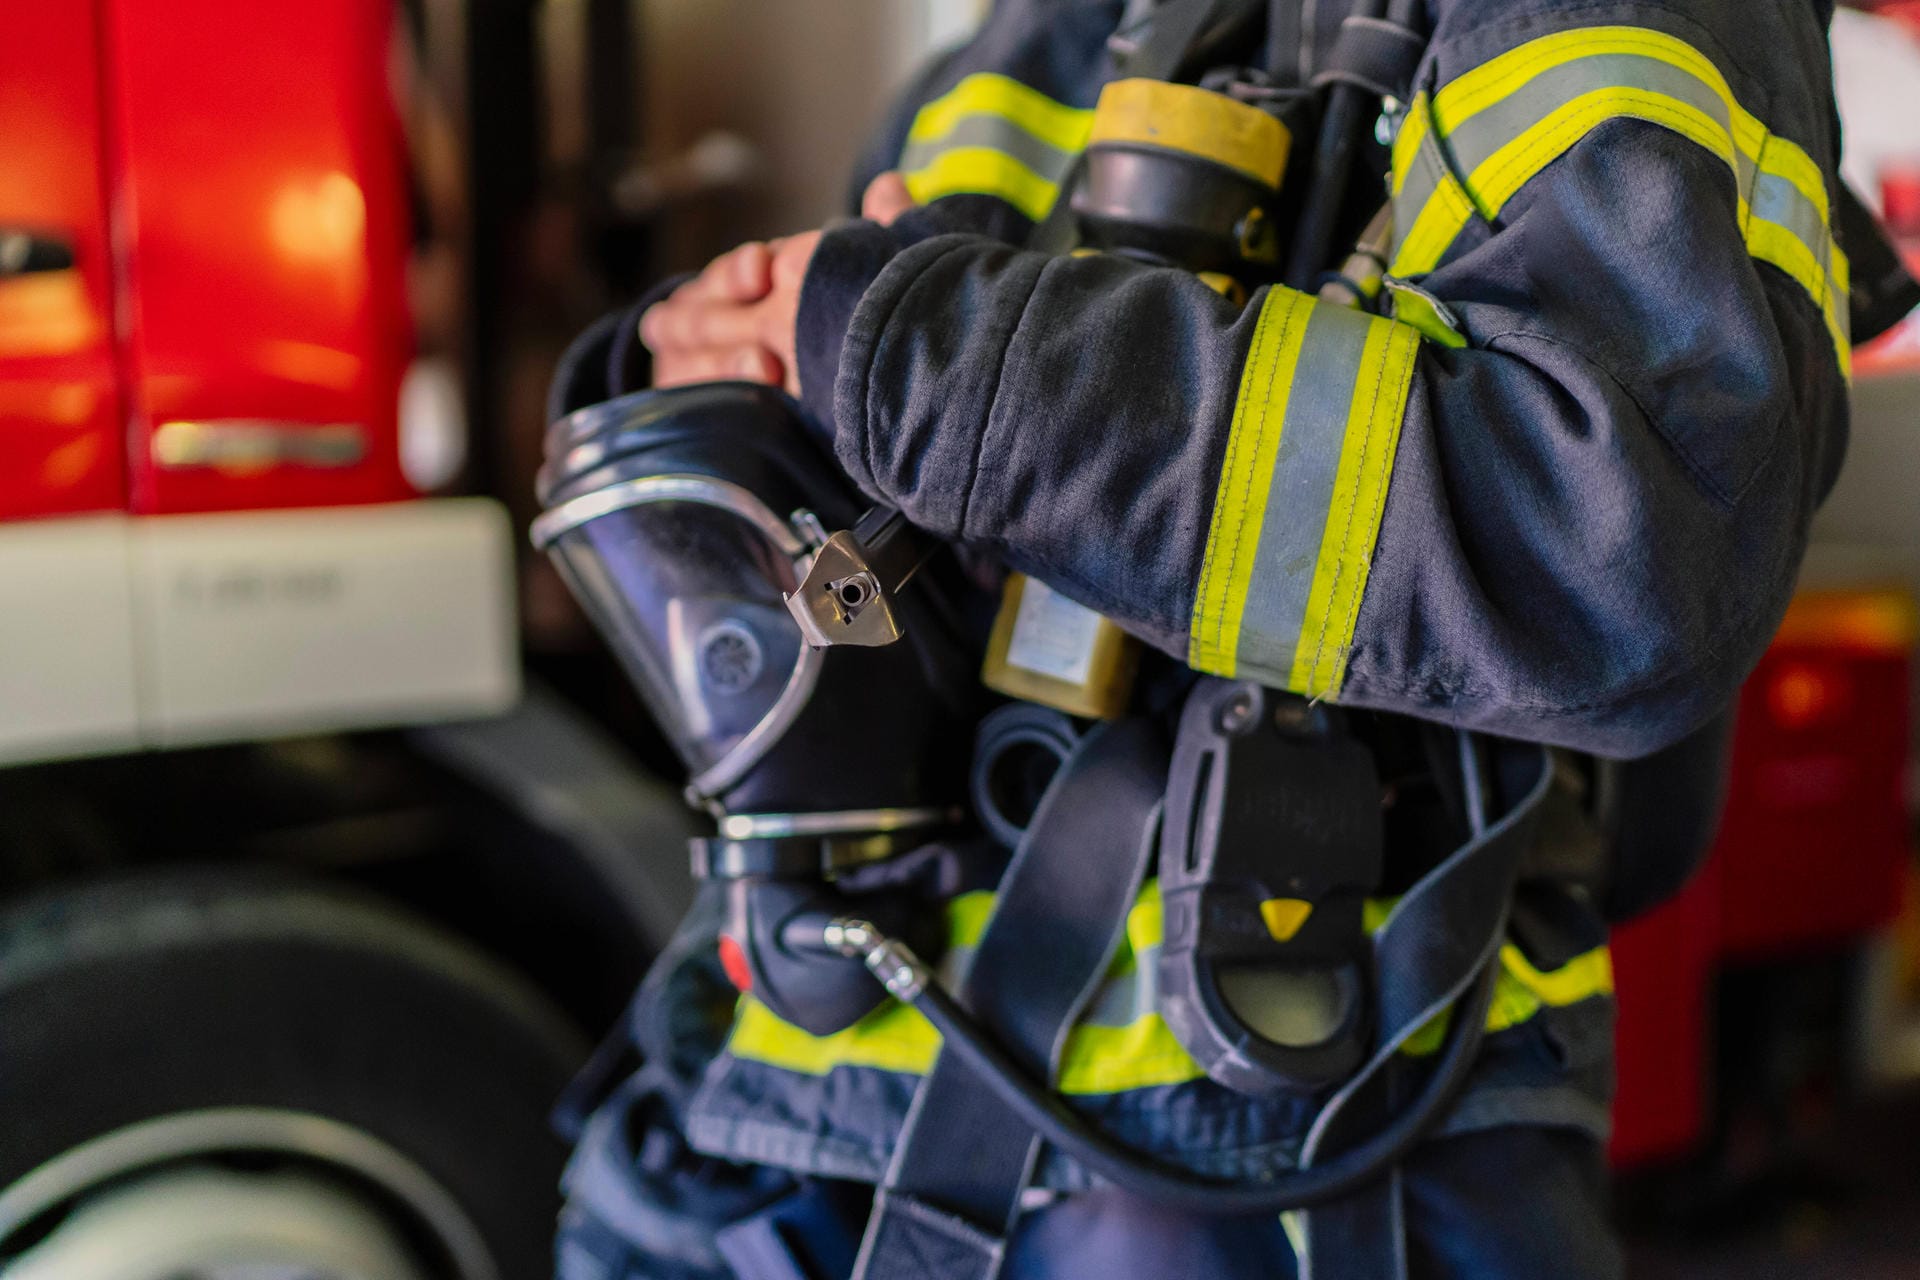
(188, 991)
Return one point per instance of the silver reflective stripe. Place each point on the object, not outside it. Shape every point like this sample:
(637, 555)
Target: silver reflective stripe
(993, 134)
(1477, 138)
(1300, 493)
(1777, 200)
(1424, 176)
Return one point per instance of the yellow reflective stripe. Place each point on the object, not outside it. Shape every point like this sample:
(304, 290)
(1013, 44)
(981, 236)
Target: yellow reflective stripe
(1317, 421)
(1498, 179)
(1437, 225)
(1144, 1052)
(983, 171)
(1413, 306)
(967, 917)
(1520, 991)
(1787, 160)
(1353, 519)
(893, 1037)
(988, 94)
(1808, 254)
(992, 135)
(1497, 78)
(1581, 978)
(1770, 242)
(1145, 929)
(1406, 143)
(1253, 439)
(1430, 207)
(1116, 1059)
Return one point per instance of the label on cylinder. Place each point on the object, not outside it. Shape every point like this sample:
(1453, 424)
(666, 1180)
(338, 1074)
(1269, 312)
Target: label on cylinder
(1052, 635)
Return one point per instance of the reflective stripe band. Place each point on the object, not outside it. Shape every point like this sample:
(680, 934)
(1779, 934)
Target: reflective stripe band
(1302, 487)
(991, 135)
(1787, 228)
(986, 94)
(1430, 207)
(985, 133)
(1122, 1042)
(1522, 991)
(984, 172)
(1505, 121)
(1410, 304)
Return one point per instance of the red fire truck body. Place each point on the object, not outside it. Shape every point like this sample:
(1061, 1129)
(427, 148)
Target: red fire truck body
(209, 320)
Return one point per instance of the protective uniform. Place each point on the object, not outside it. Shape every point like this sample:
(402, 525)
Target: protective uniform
(1558, 494)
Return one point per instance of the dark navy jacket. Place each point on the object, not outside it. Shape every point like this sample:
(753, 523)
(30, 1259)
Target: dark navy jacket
(1567, 505)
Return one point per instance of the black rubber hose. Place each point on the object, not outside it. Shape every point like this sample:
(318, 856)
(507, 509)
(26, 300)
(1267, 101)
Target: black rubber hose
(1342, 133)
(1312, 249)
(1344, 1172)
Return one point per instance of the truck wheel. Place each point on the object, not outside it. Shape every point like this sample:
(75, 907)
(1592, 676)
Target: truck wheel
(223, 1076)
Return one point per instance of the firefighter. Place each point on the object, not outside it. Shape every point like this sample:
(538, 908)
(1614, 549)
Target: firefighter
(1557, 493)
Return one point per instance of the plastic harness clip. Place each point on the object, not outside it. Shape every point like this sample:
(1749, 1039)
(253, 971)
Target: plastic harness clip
(1272, 839)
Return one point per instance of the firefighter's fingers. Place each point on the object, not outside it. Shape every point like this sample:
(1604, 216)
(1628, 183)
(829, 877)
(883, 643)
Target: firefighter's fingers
(738, 275)
(886, 198)
(748, 363)
(779, 312)
(757, 364)
(790, 258)
(684, 324)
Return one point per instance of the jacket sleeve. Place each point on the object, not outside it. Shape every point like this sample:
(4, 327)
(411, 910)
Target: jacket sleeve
(1567, 504)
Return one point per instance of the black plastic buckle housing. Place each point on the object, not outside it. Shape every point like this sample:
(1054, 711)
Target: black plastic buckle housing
(1271, 841)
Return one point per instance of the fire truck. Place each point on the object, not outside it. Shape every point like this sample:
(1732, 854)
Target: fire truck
(307, 909)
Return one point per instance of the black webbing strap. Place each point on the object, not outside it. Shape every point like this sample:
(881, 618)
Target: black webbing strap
(1173, 28)
(1284, 31)
(1442, 934)
(1374, 54)
(1883, 289)
(953, 1189)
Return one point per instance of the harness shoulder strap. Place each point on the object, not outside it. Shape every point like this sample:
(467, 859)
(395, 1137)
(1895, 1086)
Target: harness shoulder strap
(953, 1189)
(1440, 938)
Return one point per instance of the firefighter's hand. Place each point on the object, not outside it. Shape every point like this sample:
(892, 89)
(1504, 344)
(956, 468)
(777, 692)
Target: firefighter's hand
(736, 318)
(713, 327)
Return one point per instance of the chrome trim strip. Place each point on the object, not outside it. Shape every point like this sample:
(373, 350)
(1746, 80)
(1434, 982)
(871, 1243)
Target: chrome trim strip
(747, 752)
(766, 826)
(704, 490)
(245, 444)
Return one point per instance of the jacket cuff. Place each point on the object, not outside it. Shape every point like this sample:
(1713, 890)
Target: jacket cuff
(844, 264)
(847, 261)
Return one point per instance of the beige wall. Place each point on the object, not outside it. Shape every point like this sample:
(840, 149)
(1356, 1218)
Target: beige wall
(805, 81)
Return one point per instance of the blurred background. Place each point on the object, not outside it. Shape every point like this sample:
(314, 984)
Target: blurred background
(331, 839)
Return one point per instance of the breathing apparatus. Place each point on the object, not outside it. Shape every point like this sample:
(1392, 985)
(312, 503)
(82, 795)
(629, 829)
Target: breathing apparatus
(818, 687)
(679, 519)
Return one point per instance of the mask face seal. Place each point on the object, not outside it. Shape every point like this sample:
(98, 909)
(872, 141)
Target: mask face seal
(686, 576)
(682, 520)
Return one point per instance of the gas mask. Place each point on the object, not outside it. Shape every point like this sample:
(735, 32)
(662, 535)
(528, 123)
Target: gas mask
(681, 520)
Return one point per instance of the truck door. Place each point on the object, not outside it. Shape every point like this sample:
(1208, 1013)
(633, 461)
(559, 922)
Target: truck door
(60, 412)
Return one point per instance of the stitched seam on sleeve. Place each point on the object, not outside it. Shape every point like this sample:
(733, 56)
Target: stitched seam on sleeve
(993, 401)
(1710, 487)
(1360, 466)
(1271, 354)
(866, 379)
(1234, 443)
